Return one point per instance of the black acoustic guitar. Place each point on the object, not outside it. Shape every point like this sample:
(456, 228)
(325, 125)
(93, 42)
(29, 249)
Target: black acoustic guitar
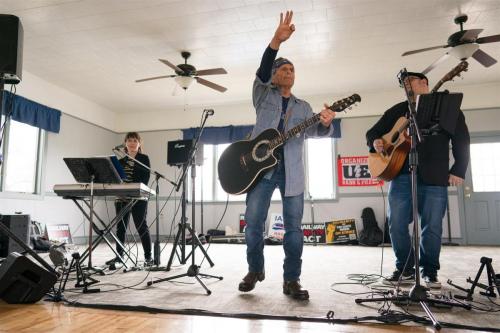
(244, 162)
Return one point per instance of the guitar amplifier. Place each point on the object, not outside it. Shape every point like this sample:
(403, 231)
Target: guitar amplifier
(23, 281)
(20, 225)
(178, 152)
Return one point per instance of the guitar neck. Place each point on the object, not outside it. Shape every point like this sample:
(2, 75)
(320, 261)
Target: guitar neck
(438, 85)
(294, 131)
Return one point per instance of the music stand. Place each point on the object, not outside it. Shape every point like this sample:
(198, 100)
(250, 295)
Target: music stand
(438, 111)
(90, 170)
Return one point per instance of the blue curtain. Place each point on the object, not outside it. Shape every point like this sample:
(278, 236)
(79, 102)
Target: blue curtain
(337, 132)
(229, 134)
(218, 135)
(31, 113)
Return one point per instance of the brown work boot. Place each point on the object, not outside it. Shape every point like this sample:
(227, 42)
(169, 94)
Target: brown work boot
(294, 289)
(249, 281)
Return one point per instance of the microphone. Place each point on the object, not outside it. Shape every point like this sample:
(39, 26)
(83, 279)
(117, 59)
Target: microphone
(209, 112)
(119, 147)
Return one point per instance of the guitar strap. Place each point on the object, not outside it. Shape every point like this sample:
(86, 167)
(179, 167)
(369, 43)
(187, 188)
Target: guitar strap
(285, 121)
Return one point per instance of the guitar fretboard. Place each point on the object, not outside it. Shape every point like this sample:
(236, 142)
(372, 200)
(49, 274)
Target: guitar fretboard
(294, 131)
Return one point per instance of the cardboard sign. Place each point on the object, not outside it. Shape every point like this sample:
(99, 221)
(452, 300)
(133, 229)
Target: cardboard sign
(314, 235)
(59, 233)
(243, 223)
(341, 231)
(353, 171)
(276, 226)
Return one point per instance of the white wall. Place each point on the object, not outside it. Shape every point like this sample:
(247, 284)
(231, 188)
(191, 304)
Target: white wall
(373, 103)
(43, 92)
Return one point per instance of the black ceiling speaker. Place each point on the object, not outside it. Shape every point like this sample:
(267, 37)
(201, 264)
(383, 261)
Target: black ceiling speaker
(11, 49)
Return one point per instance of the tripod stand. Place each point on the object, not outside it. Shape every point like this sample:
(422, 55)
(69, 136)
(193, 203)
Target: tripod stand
(193, 270)
(493, 282)
(180, 237)
(418, 293)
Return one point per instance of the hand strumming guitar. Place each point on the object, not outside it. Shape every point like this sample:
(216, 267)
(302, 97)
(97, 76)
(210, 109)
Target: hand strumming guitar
(378, 145)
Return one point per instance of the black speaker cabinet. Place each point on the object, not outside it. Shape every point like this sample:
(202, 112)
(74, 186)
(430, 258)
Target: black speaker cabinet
(20, 225)
(11, 49)
(23, 281)
(178, 152)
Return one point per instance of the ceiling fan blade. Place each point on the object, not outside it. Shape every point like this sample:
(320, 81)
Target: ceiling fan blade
(488, 39)
(423, 50)
(169, 64)
(211, 71)
(210, 84)
(155, 78)
(436, 63)
(484, 58)
(470, 35)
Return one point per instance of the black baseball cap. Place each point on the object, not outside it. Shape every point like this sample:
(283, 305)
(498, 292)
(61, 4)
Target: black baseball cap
(416, 74)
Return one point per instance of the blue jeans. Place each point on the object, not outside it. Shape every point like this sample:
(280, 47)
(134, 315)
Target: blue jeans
(432, 201)
(258, 201)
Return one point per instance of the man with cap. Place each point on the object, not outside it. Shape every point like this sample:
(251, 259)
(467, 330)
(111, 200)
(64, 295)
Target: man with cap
(277, 107)
(433, 177)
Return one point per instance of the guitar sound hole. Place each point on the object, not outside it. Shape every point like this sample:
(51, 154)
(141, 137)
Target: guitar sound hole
(260, 151)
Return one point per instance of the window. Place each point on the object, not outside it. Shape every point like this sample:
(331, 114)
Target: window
(320, 168)
(320, 172)
(22, 149)
(485, 166)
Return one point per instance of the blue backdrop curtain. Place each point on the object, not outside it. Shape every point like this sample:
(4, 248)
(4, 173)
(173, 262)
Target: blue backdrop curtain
(229, 134)
(31, 113)
(218, 135)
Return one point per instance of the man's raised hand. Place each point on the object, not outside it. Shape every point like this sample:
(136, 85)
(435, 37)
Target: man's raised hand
(284, 31)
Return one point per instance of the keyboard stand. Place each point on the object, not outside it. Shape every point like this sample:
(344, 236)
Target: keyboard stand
(106, 230)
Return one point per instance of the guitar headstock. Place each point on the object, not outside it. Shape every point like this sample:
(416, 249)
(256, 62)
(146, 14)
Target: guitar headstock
(345, 103)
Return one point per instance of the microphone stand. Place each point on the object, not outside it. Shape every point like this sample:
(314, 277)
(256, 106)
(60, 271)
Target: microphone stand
(157, 175)
(193, 270)
(418, 293)
(312, 218)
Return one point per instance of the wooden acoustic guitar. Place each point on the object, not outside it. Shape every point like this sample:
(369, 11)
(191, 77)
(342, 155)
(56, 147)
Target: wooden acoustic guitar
(244, 162)
(387, 164)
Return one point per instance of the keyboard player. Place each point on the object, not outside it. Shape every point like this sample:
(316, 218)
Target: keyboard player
(134, 174)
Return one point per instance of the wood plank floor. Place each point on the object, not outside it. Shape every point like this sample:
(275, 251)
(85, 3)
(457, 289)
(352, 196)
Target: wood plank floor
(57, 317)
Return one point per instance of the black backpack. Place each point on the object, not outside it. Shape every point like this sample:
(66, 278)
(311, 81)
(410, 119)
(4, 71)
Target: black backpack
(371, 235)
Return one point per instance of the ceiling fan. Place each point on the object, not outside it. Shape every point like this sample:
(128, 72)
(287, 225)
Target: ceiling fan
(464, 44)
(185, 74)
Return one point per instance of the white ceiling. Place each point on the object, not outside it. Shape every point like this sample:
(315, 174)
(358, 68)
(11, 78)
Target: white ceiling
(97, 48)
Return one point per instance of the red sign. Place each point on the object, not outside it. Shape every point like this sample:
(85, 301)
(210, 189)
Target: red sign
(353, 171)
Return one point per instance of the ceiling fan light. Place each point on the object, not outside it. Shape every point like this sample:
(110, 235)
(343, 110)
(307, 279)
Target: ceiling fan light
(464, 51)
(184, 81)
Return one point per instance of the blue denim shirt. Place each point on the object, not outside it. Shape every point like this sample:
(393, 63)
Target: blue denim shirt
(267, 103)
